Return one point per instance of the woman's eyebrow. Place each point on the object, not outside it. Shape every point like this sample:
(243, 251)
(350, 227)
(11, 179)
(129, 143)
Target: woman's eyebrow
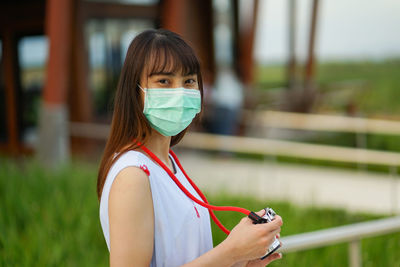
(162, 73)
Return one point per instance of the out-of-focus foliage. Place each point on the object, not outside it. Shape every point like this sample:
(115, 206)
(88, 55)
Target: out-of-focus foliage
(49, 218)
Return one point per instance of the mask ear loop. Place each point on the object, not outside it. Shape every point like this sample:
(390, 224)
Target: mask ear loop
(144, 91)
(145, 94)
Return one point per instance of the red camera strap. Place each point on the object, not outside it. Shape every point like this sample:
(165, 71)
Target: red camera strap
(203, 203)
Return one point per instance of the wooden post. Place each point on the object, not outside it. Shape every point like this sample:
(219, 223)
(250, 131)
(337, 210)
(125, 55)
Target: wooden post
(173, 15)
(53, 147)
(394, 190)
(291, 67)
(9, 61)
(310, 69)
(193, 20)
(355, 253)
(79, 95)
(247, 46)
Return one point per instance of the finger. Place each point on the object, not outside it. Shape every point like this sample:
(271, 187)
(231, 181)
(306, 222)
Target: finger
(275, 232)
(278, 235)
(269, 228)
(278, 218)
(261, 212)
(271, 258)
(276, 223)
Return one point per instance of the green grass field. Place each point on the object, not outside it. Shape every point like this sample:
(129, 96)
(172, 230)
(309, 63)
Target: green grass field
(50, 218)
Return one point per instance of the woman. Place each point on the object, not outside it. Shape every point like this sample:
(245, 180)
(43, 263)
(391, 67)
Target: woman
(146, 219)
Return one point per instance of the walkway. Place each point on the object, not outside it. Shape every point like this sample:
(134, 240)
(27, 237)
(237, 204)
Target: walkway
(304, 185)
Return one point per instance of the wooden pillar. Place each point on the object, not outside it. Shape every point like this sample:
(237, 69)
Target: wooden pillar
(310, 68)
(79, 96)
(80, 103)
(291, 67)
(236, 38)
(58, 22)
(193, 20)
(200, 33)
(173, 15)
(247, 46)
(10, 69)
(53, 147)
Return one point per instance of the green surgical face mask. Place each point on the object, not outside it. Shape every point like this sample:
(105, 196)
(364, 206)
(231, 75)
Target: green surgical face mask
(171, 110)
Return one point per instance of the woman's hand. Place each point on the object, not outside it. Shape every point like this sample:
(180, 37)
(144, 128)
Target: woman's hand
(248, 242)
(258, 262)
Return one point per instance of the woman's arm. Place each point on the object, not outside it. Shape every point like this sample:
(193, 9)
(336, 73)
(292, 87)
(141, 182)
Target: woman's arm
(131, 219)
(132, 229)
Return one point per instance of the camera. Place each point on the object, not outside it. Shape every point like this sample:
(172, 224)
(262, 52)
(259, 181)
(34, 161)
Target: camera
(268, 217)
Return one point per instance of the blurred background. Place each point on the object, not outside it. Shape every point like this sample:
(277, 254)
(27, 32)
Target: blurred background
(301, 114)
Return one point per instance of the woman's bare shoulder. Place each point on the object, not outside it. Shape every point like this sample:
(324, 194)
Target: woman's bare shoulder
(129, 182)
(131, 219)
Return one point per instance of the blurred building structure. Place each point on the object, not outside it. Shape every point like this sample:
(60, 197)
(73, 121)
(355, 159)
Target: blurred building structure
(81, 70)
(60, 59)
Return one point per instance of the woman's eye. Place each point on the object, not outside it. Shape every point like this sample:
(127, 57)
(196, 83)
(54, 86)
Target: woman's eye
(163, 81)
(190, 81)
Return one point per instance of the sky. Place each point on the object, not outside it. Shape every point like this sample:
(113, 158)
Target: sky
(346, 30)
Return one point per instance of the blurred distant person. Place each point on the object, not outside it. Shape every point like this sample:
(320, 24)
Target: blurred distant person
(227, 101)
(147, 220)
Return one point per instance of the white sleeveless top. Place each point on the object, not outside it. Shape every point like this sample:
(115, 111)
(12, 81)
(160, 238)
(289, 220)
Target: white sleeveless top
(181, 233)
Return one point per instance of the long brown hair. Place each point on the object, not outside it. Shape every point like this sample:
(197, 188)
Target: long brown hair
(153, 51)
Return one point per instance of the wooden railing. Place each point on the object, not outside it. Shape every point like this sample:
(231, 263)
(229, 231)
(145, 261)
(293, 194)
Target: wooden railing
(351, 234)
(264, 146)
(318, 122)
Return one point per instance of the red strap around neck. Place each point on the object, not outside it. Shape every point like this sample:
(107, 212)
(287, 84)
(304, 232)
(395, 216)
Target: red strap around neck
(205, 203)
